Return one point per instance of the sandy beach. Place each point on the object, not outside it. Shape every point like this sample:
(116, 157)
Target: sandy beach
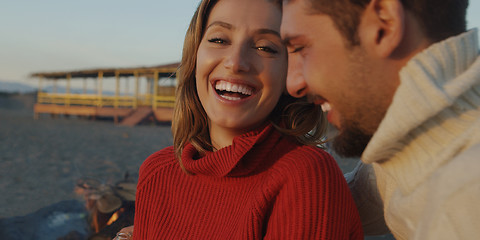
(41, 160)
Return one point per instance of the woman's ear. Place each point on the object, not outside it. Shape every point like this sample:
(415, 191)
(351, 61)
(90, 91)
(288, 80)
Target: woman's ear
(382, 27)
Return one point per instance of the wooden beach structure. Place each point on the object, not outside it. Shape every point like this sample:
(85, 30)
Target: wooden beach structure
(127, 105)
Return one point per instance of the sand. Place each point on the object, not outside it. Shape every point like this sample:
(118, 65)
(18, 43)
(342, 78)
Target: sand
(41, 160)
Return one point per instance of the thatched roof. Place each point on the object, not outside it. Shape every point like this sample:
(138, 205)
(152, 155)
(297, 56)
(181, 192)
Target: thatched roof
(166, 70)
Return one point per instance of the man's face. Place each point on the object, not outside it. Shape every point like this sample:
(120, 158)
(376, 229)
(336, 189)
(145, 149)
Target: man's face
(341, 78)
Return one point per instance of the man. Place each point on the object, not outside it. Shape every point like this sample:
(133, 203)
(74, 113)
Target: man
(400, 80)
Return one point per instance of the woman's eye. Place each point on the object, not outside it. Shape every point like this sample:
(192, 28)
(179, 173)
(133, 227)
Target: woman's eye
(217, 40)
(266, 49)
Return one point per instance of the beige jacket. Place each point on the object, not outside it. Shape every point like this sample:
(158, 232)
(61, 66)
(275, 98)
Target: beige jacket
(426, 151)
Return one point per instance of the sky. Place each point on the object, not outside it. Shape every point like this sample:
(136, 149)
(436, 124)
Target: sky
(65, 35)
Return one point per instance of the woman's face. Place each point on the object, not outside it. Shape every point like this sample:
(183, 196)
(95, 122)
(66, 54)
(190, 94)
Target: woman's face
(241, 64)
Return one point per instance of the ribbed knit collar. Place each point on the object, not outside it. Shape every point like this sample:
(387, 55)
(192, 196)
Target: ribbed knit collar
(232, 160)
(437, 87)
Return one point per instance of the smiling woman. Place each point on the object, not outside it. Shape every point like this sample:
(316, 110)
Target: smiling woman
(241, 50)
(244, 164)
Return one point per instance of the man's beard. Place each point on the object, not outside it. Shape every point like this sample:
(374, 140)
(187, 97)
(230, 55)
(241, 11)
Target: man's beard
(350, 141)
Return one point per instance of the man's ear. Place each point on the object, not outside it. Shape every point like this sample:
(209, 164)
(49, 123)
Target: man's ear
(382, 27)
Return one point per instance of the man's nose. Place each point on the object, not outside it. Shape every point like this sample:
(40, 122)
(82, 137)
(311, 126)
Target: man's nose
(296, 85)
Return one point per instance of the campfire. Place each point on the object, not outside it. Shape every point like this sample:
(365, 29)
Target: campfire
(111, 207)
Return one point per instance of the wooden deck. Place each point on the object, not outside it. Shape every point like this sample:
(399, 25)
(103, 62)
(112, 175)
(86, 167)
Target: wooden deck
(128, 108)
(127, 116)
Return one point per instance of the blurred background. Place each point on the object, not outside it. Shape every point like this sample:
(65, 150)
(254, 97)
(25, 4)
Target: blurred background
(54, 171)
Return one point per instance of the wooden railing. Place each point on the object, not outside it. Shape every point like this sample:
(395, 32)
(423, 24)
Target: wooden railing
(164, 101)
(105, 101)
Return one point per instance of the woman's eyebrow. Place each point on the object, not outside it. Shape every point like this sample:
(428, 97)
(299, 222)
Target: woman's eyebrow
(221, 24)
(230, 26)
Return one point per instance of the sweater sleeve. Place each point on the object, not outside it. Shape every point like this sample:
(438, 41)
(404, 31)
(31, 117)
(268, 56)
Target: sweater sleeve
(314, 202)
(452, 210)
(458, 217)
(145, 195)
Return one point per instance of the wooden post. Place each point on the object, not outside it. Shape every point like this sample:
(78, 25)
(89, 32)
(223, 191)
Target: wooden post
(95, 84)
(135, 104)
(117, 88)
(155, 90)
(67, 95)
(99, 87)
(117, 91)
(39, 93)
(40, 89)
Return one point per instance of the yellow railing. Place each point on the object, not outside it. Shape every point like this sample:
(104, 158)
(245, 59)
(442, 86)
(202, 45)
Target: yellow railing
(164, 101)
(105, 101)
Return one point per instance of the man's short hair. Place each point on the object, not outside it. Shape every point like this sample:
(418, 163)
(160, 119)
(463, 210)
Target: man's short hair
(439, 19)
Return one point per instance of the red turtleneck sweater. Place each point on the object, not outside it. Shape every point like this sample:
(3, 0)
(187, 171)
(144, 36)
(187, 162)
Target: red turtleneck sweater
(263, 186)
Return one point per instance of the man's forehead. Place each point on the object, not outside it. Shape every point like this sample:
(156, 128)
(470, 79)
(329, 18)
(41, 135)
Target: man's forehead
(305, 5)
(290, 18)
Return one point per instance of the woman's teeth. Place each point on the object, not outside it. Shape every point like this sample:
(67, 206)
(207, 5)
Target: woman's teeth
(233, 91)
(231, 98)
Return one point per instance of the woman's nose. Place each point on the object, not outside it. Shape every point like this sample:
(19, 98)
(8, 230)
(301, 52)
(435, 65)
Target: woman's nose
(238, 60)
